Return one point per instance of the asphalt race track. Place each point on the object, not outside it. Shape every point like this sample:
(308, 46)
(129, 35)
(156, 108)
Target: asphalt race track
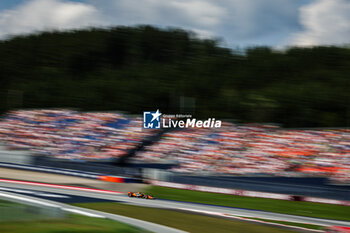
(68, 194)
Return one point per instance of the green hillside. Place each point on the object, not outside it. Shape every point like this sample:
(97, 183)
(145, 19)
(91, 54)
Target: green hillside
(142, 68)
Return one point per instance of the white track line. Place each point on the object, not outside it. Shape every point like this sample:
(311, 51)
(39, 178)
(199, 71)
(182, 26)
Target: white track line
(27, 199)
(60, 186)
(251, 220)
(83, 213)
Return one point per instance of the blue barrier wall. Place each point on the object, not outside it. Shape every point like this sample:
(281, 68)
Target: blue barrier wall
(315, 187)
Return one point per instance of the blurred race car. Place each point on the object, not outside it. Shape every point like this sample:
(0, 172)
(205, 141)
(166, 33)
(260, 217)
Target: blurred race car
(140, 195)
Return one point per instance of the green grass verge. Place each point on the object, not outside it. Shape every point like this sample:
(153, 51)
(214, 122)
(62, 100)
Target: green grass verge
(183, 221)
(7, 203)
(309, 226)
(11, 211)
(309, 209)
(73, 224)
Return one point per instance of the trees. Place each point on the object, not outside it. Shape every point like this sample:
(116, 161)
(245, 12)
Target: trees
(144, 68)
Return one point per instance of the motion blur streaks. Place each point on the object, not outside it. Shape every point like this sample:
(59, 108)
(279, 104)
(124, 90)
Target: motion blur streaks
(231, 149)
(257, 149)
(71, 134)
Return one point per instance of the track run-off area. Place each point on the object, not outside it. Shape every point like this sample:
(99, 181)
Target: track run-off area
(70, 194)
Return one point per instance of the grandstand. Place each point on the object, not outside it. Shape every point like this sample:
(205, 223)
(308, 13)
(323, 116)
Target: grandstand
(255, 149)
(231, 149)
(71, 134)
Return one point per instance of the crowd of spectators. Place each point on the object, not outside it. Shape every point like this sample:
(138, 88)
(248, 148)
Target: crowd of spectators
(231, 149)
(72, 134)
(257, 149)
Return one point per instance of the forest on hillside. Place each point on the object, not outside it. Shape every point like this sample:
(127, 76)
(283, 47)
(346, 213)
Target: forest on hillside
(135, 69)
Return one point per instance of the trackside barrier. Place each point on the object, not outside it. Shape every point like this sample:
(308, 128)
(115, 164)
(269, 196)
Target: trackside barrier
(246, 193)
(69, 172)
